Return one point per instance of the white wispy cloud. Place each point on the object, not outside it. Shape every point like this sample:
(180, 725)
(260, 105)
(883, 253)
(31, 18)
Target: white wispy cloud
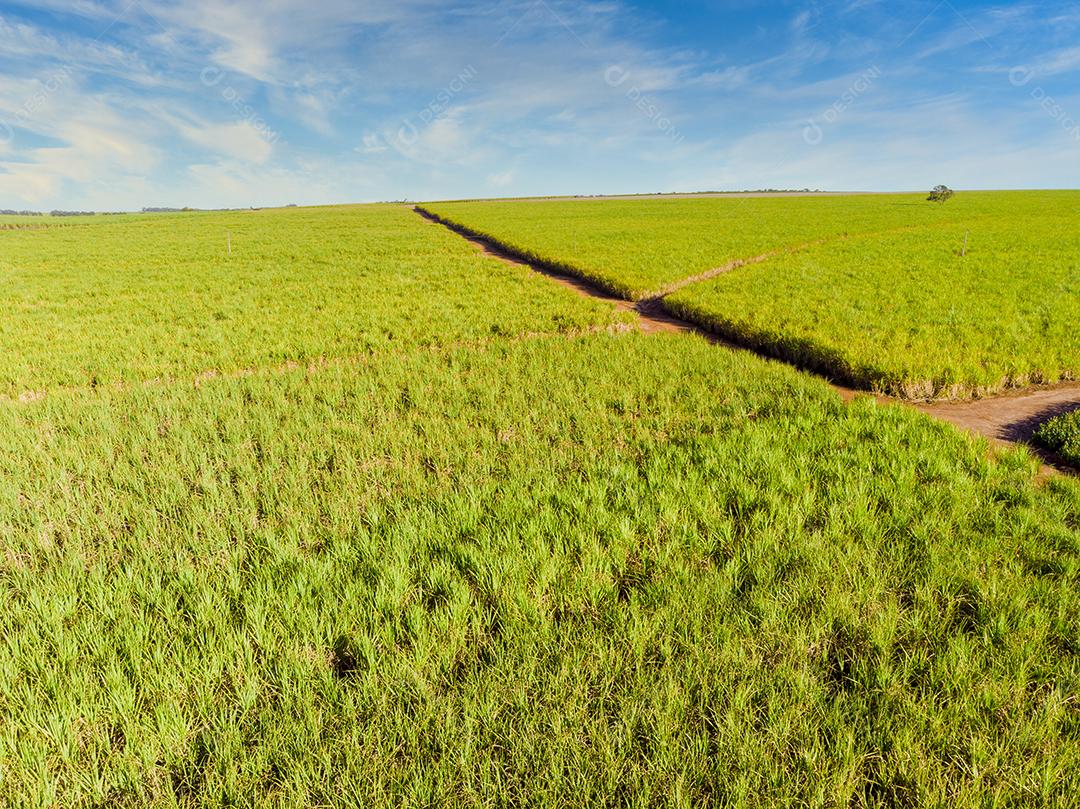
(1057, 62)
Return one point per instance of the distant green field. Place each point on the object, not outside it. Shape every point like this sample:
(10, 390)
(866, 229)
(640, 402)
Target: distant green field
(906, 314)
(638, 247)
(114, 299)
(872, 290)
(1061, 435)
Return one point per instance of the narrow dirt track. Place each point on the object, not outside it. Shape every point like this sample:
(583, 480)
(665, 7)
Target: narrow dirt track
(1008, 419)
(708, 275)
(1011, 418)
(652, 317)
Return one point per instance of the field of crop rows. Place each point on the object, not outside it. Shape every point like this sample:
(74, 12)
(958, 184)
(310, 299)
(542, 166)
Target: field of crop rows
(883, 292)
(356, 510)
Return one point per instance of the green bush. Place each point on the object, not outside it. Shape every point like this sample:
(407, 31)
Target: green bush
(1062, 435)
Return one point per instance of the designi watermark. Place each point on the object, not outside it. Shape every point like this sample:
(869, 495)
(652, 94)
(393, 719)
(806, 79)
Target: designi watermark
(1022, 76)
(409, 131)
(34, 103)
(616, 77)
(814, 131)
(246, 114)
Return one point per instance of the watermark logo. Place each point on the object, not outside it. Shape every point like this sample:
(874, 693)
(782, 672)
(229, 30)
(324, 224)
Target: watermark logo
(814, 131)
(410, 130)
(616, 77)
(1022, 76)
(212, 77)
(49, 87)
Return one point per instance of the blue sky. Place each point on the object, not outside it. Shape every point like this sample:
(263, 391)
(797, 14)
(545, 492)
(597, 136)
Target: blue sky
(120, 104)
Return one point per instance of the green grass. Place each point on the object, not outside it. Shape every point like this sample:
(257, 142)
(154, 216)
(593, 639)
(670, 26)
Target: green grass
(559, 571)
(872, 290)
(907, 314)
(638, 247)
(1061, 435)
(439, 533)
(128, 299)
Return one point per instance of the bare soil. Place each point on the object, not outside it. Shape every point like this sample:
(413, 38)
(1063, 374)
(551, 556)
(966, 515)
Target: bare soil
(1011, 418)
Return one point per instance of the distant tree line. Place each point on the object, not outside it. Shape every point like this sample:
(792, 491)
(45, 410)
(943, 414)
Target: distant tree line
(21, 213)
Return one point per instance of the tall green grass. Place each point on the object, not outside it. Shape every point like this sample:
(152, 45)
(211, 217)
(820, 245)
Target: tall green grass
(912, 314)
(129, 299)
(598, 571)
(887, 292)
(638, 247)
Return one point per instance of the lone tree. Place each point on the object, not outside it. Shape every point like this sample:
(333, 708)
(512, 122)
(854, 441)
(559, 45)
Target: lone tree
(941, 193)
